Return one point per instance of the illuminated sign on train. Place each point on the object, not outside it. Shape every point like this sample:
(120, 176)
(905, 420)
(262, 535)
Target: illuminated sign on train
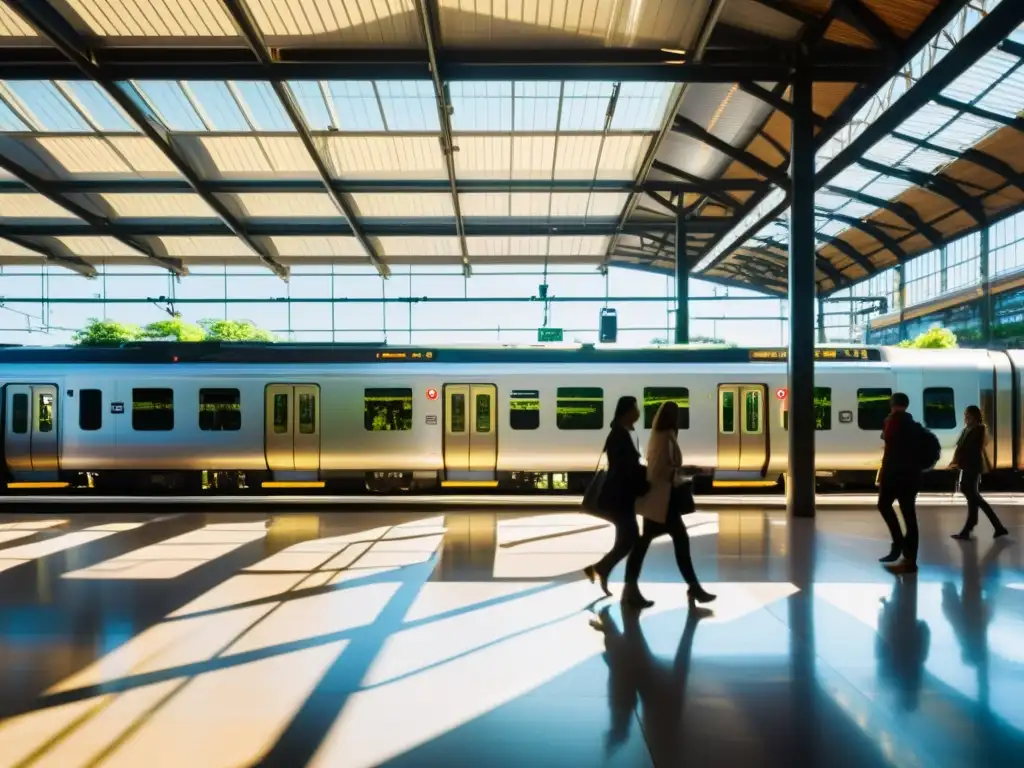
(831, 353)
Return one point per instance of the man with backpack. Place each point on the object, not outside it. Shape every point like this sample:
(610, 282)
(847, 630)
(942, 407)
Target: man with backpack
(910, 449)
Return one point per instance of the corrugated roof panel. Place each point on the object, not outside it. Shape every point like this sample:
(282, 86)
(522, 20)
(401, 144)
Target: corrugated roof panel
(277, 205)
(330, 246)
(481, 106)
(158, 206)
(621, 156)
(13, 250)
(97, 246)
(577, 156)
(540, 204)
(484, 203)
(854, 177)
(641, 106)
(12, 25)
(887, 188)
(145, 18)
(483, 157)
(650, 24)
(329, 22)
(142, 155)
(30, 206)
(985, 73)
(536, 106)
(964, 132)
(926, 160)
(355, 106)
(204, 247)
(581, 245)
(533, 157)
(403, 205)
(585, 106)
(1005, 97)
(173, 107)
(408, 105)
(420, 246)
(46, 107)
(499, 247)
(927, 120)
(760, 18)
(890, 151)
(254, 155)
(385, 157)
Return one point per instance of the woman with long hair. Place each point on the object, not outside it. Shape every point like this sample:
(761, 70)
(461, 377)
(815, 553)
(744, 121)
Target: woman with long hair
(971, 460)
(663, 506)
(623, 483)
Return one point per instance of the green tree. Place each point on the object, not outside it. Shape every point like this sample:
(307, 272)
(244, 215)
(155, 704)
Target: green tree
(234, 330)
(933, 338)
(174, 329)
(105, 333)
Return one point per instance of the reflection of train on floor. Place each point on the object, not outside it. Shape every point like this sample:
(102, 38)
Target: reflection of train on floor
(184, 417)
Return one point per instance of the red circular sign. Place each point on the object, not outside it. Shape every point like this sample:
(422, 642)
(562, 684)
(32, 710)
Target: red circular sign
(781, 393)
(431, 394)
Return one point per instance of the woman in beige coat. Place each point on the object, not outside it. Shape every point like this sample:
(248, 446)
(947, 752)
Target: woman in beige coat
(661, 508)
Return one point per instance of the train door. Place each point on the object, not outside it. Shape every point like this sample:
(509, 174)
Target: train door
(30, 428)
(470, 434)
(292, 427)
(742, 430)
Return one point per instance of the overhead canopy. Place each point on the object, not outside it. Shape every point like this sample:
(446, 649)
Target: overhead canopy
(287, 132)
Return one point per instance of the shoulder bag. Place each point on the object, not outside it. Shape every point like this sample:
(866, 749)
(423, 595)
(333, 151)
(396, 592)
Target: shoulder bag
(591, 497)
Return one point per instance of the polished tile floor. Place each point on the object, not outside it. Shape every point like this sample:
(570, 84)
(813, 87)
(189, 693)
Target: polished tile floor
(354, 639)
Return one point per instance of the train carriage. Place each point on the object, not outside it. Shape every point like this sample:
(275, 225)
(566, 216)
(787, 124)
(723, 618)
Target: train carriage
(235, 417)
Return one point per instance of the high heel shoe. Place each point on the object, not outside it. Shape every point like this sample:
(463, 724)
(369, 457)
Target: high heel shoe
(631, 597)
(699, 595)
(593, 574)
(893, 556)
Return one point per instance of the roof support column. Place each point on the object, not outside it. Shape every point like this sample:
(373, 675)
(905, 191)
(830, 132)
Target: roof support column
(682, 279)
(822, 339)
(986, 289)
(802, 289)
(898, 278)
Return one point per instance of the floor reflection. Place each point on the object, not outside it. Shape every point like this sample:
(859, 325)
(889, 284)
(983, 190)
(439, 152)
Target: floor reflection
(362, 639)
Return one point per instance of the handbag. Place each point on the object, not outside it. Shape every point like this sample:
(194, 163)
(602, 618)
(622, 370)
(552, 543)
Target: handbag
(592, 496)
(681, 501)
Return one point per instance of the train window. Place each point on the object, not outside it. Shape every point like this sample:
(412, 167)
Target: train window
(280, 414)
(387, 410)
(939, 408)
(822, 410)
(45, 412)
(220, 410)
(524, 409)
(872, 407)
(19, 414)
(307, 413)
(152, 410)
(90, 410)
(752, 412)
(727, 417)
(458, 412)
(483, 414)
(579, 408)
(655, 396)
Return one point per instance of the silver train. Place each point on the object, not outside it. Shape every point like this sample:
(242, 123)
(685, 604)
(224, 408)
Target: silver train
(182, 418)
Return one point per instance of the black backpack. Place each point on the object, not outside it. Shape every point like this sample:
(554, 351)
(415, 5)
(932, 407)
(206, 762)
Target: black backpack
(929, 451)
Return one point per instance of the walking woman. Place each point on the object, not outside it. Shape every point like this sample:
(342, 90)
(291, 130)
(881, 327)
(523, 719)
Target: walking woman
(663, 507)
(623, 483)
(971, 460)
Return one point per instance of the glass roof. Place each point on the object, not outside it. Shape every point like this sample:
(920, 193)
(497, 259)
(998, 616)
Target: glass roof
(253, 165)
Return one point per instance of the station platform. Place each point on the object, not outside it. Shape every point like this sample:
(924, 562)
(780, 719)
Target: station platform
(466, 636)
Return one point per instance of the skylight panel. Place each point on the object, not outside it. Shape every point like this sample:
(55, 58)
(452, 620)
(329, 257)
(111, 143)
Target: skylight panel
(99, 106)
(217, 105)
(481, 106)
(47, 107)
(585, 106)
(409, 105)
(263, 106)
(641, 106)
(171, 104)
(535, 106)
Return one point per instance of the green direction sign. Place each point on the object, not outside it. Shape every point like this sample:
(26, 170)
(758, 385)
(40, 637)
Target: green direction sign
(549, 334)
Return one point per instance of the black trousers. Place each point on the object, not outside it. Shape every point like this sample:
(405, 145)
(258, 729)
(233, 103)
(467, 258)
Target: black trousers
(627, 532)
(675, 528)
(905, 492)
(969, 487)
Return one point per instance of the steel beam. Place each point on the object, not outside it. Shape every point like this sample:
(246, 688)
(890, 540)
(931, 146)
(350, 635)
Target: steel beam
(800, 479)
(689, 128)
(696, 184)
(55, 28)
(774, 100)
(976, 111)
(847, 250)
(974, 156)
(871, 230)
(477, 226)
(841, 64)
(242, 17)
(903, 210)
(682, 281)
(431, 26)
(985, 270)
(935, 183)
(74, 263)
(94, 223)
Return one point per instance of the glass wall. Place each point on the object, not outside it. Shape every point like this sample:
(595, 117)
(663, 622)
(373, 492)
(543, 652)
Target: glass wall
(417, 305)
